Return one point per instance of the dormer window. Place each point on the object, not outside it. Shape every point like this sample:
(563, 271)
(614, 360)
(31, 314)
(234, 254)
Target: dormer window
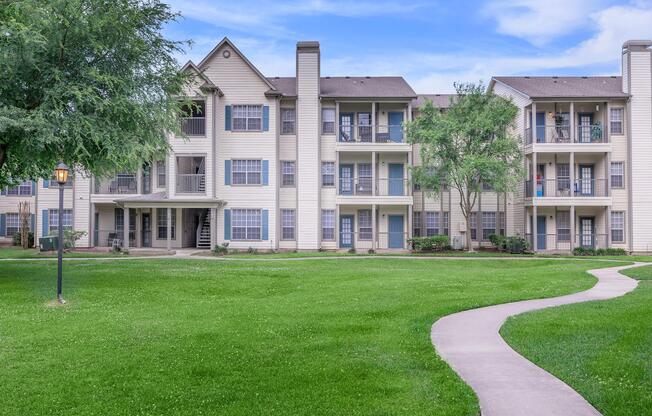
(193, 118)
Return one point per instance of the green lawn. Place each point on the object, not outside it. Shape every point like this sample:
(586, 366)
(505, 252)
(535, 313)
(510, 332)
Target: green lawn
(19, 253)
(182, 337)
(602, 349)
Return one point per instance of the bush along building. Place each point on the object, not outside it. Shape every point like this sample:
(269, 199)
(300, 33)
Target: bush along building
(317, 162)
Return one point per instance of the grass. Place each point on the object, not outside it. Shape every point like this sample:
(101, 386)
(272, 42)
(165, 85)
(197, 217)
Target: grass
(20, 253)
(182, 337)
(601, 349)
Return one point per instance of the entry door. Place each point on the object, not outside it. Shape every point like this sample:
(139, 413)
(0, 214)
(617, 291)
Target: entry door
(395, 121)
(346, 231)
(586, 180)
(146, 229)
(586, 120)
(347, 131)
(346, 179)
(395, 225)
(587, 237)
(541, 127)
(541, 232)
(396, 179)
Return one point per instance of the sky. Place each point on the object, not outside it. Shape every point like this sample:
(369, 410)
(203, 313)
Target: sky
(432, 44)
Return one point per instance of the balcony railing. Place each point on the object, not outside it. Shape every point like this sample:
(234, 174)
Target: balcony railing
(120, 184)
(554, 242)
(384, 186)
(107, 238)
(562, 134)
(591, 240)
(191, 183)
(356, 133)
(193, 126)
(561, 188)
(364, 240)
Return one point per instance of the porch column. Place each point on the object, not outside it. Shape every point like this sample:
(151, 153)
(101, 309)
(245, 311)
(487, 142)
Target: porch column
(139, 224)
(373, 122)
(337, 174)
(337, 121)
(572, 227)
(337, 226)
(607, 226)
(409, 221)
(139, 181)
(572, 122)
(534, 174)
(535, 231)
(213, 217)
(374, 179)
(571, 171)
(374, 228)
(169, 229)
(607, 174)
(125, 243)
(533, 124)
(408, 183)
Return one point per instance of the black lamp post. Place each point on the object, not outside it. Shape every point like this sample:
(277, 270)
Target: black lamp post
(61, 176)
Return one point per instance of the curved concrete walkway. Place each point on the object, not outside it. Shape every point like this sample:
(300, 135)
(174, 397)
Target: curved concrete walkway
(506, 383)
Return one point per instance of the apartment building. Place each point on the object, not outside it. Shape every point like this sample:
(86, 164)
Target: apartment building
(317, 162)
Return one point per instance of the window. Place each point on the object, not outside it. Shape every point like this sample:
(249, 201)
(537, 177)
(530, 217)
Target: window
(487, 187)
(416, 221)
(247, 117)
(247, 172)
(328, 121)
(488, 225)
(445, 221)
(616, 122)
(364, 178)
(501, 223)
(328, 224)
(432, 223)
(13, 224)
(287, 120)
(364, 225)
(327, 173)
(119, 217)
(617, 226)
(563, 226)
(161, 174)
(287, 224)
(54, 219)
(617, 175)
(24, 189)
(473, 223)
(287, 173)
(246, 224)
(162, 223)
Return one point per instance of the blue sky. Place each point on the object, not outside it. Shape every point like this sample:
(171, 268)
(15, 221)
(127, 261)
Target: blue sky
(431, 43)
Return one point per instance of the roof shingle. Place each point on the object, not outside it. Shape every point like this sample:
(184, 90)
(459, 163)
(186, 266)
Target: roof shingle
(351, 87)
(566, 87)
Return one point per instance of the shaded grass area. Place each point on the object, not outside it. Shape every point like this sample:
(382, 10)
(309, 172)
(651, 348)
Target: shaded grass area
(601, 349)
(182, 337)
(20, 253)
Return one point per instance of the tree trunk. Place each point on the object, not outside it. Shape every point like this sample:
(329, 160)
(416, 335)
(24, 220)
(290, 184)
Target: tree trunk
(469, 243)
(3, 155)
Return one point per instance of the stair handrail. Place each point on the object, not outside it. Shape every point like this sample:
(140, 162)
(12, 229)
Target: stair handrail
(202, 218)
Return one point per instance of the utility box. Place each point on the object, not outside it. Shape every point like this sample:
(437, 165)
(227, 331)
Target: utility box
(48, 243)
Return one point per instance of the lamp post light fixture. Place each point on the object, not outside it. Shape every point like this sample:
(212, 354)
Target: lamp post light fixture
(61, 176)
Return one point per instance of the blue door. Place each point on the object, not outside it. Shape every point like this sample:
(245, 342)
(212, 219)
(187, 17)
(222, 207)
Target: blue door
(541, 232)
(395, 121)
(346, 231)
(395, 223)
(346, 179)
(395, 179)
(541, 127)
(347, 129)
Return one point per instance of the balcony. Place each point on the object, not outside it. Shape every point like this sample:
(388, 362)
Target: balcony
(561, 188)
(110, 238)
(353, 133)
(383, 187)
(193, 126)
(121, 184)
(191, 183)
(562, 134)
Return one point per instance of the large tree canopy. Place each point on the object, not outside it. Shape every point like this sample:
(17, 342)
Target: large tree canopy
(466, 145)
(88, 82)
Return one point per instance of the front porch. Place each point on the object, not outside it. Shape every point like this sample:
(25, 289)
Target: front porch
(371, 227)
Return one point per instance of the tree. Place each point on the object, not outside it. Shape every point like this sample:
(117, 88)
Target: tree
(24, 217)
(88, 82)
(469, 144)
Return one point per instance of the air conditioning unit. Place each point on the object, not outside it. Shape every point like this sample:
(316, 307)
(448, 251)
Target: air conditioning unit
(458, 242)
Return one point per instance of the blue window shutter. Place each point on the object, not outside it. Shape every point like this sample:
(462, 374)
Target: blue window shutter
(46, 183)
(265, 224)
(33, 223)
(34, 185)
(227, 172)
(3, 224)
(227, 224)
(265, 118)
(265, 172)
(227, 117)
(44, 226)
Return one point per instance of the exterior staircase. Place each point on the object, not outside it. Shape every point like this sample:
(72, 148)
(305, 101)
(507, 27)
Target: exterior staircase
(204, 231)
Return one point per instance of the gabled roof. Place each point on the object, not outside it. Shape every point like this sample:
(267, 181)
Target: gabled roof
(565, 87)
(226, 41)
(351, 87)
(439, 100)
(208, 84)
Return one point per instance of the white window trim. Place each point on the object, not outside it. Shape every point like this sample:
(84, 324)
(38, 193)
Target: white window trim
(294, 174)
(246, 118)
(246, 173)
(294, 122)
(611, 185)
(246, 227)
(611, 227)
(622, 121)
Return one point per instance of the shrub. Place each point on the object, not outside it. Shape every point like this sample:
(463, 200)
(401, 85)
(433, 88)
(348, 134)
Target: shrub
(584, 251)
(432, 243)
(589, 251)
(252, 250)
(221, 249)
(516, 244)
(17, 239)
(498, 241)
(371, 251)
(70, 237)
(352, 250)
